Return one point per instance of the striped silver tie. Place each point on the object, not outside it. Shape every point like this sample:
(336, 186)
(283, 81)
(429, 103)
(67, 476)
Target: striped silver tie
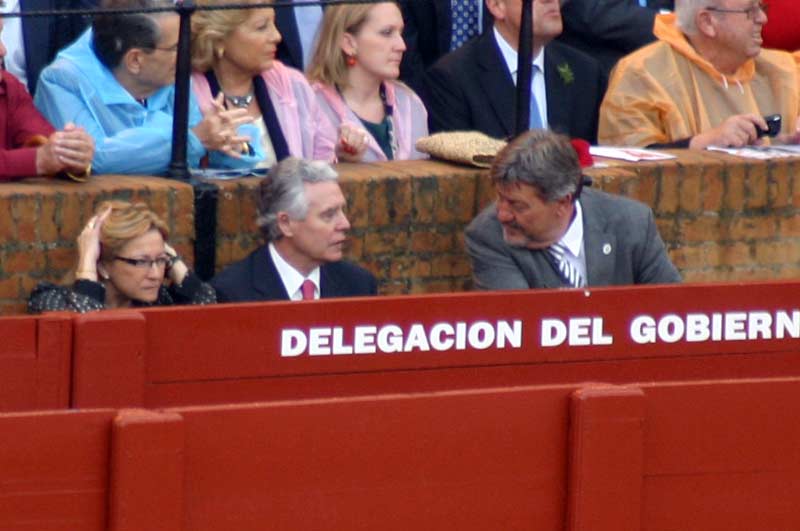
(565, 267)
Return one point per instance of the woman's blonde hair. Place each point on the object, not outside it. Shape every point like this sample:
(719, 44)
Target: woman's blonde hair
(126, 222)
(328, 64)
(210, 28)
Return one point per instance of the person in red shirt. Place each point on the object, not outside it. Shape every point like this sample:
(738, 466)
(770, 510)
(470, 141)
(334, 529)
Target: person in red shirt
(29, 145)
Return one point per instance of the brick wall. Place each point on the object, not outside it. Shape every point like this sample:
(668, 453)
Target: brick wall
(723, 219)
(41, 219)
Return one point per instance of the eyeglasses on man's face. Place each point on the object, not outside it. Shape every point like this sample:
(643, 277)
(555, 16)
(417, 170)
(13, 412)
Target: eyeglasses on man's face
(751, 12)
(146, 263)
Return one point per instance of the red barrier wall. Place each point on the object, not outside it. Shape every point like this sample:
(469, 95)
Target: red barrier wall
(660, 456)
(35, 358)
(235, 353)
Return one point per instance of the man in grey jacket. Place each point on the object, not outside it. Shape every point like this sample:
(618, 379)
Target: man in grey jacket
(545, 231)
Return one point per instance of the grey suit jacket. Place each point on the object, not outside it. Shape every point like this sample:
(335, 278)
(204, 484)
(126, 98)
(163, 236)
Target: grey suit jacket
(620, 239)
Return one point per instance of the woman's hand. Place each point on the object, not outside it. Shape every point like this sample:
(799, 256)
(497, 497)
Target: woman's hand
(177, 269)
(89, 247)
(352, 143)
(217, 131)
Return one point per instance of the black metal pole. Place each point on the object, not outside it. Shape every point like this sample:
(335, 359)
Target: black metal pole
(524, 68)
(178, 169)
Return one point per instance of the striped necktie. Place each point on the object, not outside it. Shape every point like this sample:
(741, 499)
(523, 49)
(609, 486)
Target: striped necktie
(568, 272)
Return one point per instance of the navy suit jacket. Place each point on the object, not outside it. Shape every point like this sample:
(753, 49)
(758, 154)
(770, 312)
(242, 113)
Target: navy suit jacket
(427, 32)
(255, 278)
(45, 36)
(609, 29)
(472, 89)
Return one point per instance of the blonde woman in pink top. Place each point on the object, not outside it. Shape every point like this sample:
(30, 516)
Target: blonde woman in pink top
(354, 72)
(233, 54)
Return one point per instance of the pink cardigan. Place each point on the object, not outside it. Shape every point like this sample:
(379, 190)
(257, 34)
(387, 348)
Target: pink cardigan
(410, 119)
(308, 131)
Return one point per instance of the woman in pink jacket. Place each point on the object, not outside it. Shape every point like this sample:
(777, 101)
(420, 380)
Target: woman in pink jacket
(233, 54)
(354, 73)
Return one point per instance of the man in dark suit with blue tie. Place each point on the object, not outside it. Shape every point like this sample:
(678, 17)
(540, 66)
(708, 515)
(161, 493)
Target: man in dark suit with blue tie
(473, 88)
(301, 215)
(43, 37)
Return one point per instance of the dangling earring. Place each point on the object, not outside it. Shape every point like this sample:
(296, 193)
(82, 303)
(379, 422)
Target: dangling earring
(220, 53)
(350, 60)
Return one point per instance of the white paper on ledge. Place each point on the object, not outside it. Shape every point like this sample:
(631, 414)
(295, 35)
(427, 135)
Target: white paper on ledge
(629, 154)
(758, 152)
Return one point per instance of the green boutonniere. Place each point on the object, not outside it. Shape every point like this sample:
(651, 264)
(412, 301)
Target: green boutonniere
(566, 74)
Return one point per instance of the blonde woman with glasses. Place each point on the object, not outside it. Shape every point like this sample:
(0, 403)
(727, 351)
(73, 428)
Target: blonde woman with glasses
(124, 261)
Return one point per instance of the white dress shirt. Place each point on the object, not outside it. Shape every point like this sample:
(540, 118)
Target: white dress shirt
(572, 241)
(292, 279)
(537, 78)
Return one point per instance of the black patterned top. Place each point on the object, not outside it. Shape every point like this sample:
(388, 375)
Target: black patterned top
(87, 295)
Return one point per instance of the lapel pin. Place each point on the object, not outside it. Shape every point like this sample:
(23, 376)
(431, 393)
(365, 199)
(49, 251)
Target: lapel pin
(607, 248)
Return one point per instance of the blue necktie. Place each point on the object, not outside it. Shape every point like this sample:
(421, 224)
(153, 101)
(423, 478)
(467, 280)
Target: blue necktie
(465, 22)
(535, 120)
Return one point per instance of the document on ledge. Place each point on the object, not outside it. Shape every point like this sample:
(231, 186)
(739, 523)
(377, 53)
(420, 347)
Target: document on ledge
(759, 152)
(629, 154)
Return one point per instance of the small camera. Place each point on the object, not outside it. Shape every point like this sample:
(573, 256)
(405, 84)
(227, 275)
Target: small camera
(773, 126)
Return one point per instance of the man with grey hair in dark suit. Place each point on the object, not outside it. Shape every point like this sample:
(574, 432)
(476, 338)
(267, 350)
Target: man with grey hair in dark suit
(546, 231)
(301, 216)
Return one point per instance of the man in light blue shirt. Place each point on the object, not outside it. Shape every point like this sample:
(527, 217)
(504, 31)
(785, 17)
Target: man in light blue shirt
(116, 81)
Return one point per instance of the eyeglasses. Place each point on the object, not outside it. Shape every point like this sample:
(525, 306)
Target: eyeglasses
(170, 49)
(146, 263)
(751, 12)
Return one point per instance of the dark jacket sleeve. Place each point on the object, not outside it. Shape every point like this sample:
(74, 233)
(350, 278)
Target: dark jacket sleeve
(191, 291)
(84, 296)
(447, 105)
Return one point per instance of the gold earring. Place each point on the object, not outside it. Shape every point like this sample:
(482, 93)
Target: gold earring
(219, 52)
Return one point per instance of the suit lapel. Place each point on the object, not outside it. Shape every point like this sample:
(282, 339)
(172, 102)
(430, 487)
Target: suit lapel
(266, 280)
(496, 82)
(558, 92)
(598, 243)
(538, 268)
(329, 283)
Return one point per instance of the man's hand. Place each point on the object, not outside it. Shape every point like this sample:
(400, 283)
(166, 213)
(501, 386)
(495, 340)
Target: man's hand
(69, 150)
(217, 131)
(737, 131)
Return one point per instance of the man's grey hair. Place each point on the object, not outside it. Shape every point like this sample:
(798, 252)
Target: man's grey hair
(282, 190)
(686, 13)
(542, 159)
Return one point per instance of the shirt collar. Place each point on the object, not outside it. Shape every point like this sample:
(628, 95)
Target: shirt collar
(291, 277)
(573, 238)
(510, 55)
